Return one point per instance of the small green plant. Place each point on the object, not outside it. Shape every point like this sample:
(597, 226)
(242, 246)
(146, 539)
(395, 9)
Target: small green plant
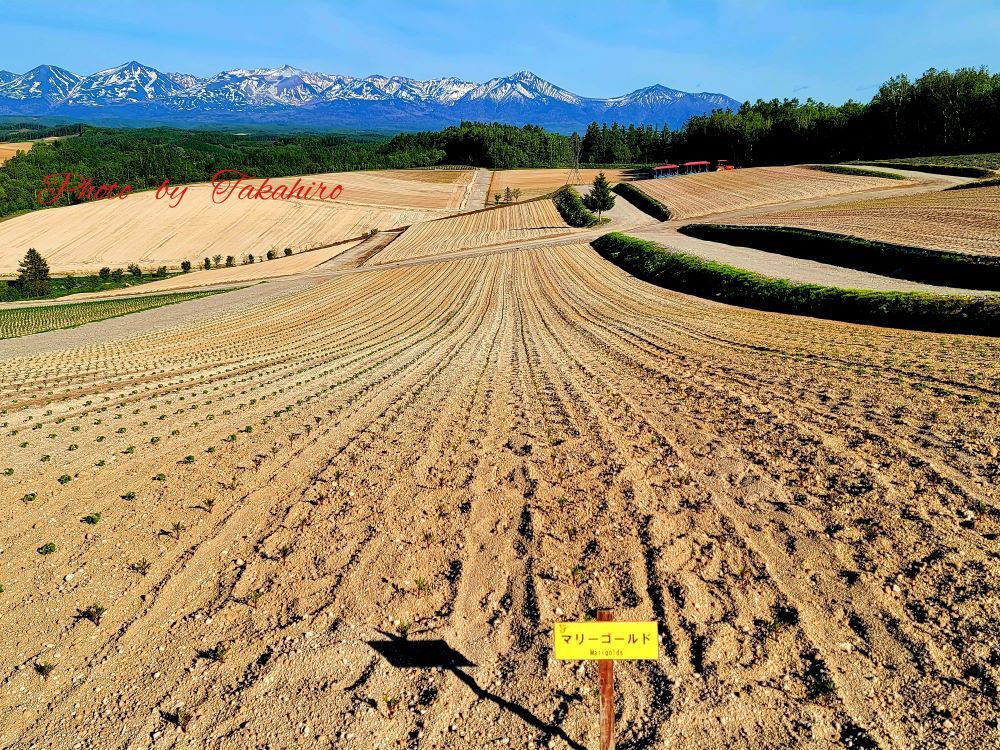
(176, 528)
(187, 460)
(217, 652)
(30, 497)
(47, 549)
(183, 718)
(65, 479)
(390, 704)
(161, 477)
(93, 519)
(781, 618)
(253, 597)
(422, 585)
(208, 505)
(128, 495)
(577, 574)
(142, 567)
(129, 451)
(284, 551)
(403, 629)
(94, 613)
(8, 472)
(45, 668)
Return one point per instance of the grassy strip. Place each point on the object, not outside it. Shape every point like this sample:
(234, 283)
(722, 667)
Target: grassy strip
(993, 182)
(855, 171)
(642, 201)
(24, 321)
(898, 261)
(986, 161)
(724, 283)
(571, 208)
(958, 170)
(80, 285)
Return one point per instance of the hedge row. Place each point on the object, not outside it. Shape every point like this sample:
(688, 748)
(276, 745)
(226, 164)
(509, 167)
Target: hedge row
(993, 182)
(571, 208)
(899, 261)
(642, 201)
(952, 169)
(720, 282)
(855, 171)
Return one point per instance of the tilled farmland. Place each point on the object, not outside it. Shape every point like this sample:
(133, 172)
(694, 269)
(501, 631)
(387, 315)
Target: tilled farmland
(965, 221)
(536, 182)
(708, 193)
(242, 526)
(507, 224)
(142, 229)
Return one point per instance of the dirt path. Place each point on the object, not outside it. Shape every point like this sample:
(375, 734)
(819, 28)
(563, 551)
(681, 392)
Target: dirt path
(797, 269)
(785, 267)
(478, 191)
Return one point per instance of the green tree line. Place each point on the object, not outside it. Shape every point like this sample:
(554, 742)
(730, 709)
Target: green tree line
(939, 113)
(144, 158)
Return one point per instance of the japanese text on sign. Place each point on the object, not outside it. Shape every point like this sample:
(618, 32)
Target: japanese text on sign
(606, 640)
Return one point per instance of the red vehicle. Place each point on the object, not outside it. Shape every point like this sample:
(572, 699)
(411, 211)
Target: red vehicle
(723, 166)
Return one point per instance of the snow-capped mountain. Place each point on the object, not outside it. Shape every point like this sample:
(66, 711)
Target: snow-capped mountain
(523, 86)
(134, 93)
(184, 80)
(44, 84)
(125, 84)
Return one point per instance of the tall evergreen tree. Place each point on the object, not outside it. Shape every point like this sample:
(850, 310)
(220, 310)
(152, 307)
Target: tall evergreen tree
(33, 274)
(600, 198)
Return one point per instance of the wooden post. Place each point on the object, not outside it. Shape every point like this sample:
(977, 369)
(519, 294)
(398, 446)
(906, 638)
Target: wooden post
(606, 678)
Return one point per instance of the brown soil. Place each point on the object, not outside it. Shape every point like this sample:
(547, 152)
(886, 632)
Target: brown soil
(465, 450)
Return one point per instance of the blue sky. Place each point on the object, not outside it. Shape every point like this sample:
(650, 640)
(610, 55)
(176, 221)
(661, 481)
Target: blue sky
(745, 48)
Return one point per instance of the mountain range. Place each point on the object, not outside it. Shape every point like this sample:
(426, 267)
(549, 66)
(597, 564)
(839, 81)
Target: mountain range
(133, 94)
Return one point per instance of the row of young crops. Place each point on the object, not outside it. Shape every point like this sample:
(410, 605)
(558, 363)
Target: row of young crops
(22, 321)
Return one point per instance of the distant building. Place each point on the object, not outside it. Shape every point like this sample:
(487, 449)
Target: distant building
(694, 167)
(665, 170)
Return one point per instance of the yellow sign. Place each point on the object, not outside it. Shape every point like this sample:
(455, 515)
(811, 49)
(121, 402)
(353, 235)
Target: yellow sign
(606, 640)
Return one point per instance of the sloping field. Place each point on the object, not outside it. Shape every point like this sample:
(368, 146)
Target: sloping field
(522, 221)
(535, 182)
(466, 452)
(7, 150)
(143, 230)
(715, 192)
(965, 221)
(23, 321)
(399, 188)
(248, 272)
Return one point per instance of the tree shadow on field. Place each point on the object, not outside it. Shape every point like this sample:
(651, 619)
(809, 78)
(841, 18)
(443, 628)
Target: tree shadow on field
(402, 653)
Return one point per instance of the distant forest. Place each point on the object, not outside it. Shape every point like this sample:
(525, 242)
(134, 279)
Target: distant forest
(939, 113)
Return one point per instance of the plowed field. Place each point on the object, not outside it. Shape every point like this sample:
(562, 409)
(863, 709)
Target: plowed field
(141, 229)
(522, 221)
(467, 451)
(535, 182)
(965, 221)
(715, 192)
